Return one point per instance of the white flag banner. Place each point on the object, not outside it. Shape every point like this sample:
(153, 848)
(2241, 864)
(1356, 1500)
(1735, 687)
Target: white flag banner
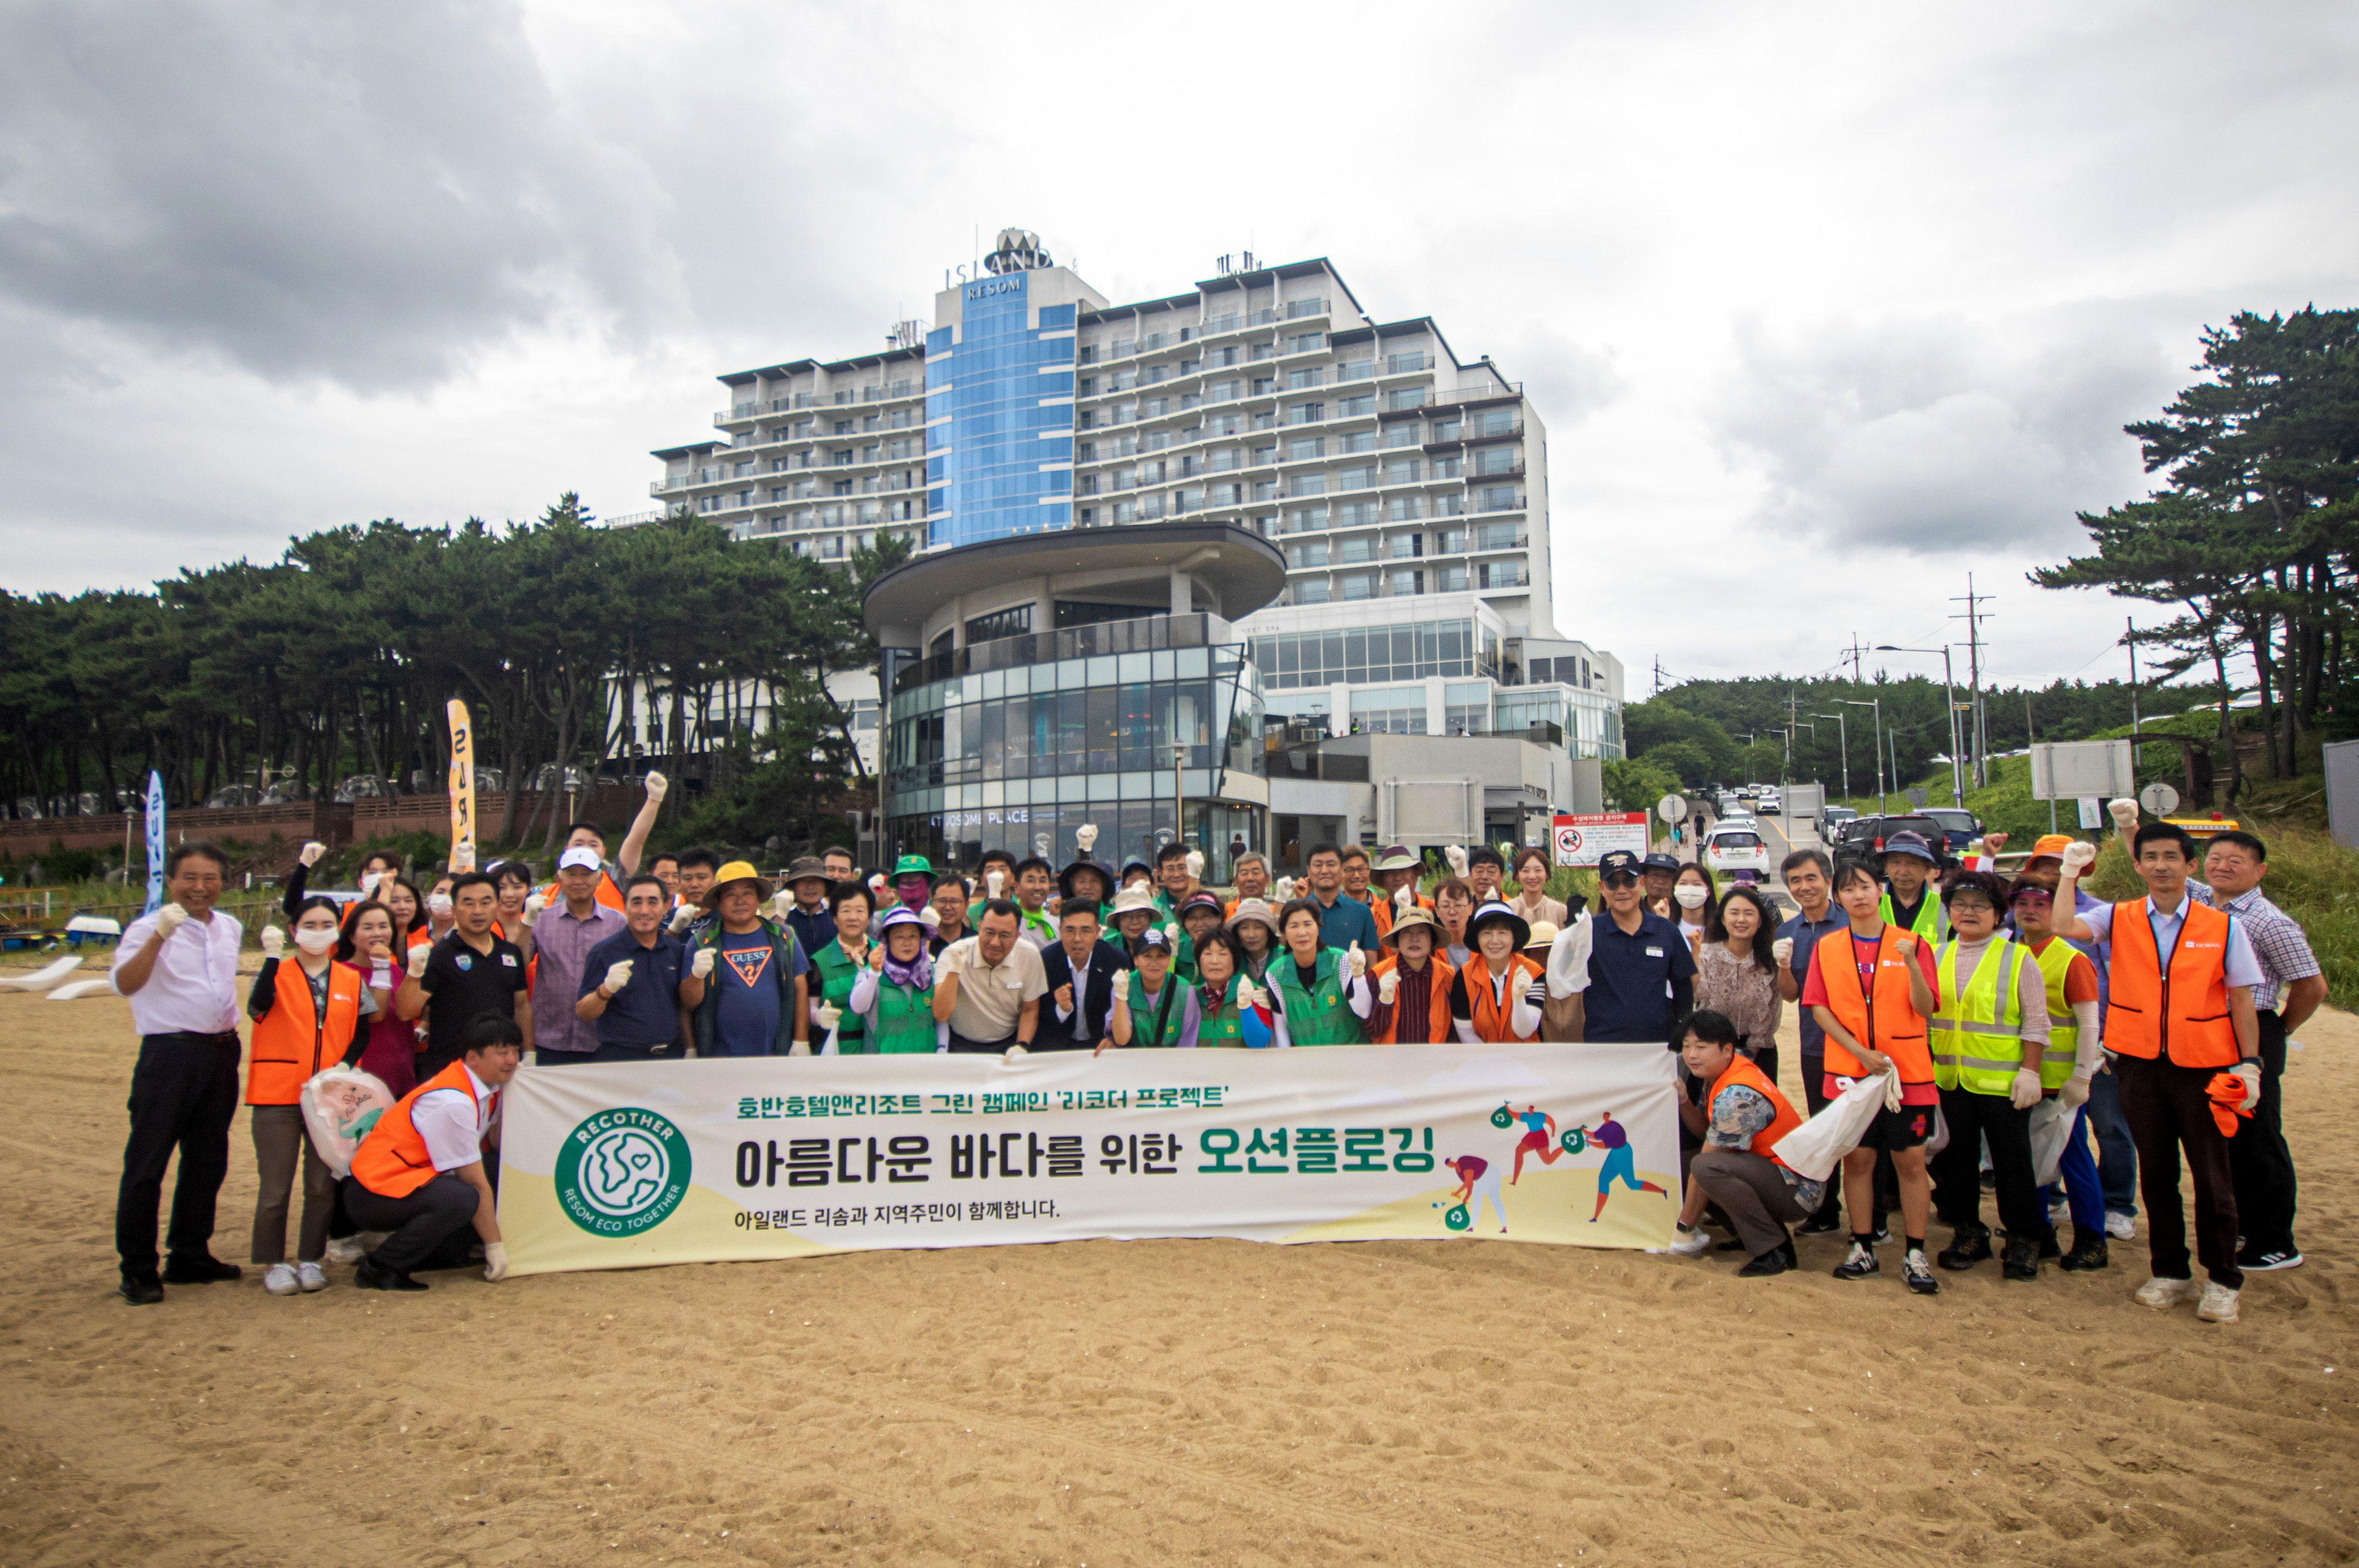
(630, 1164)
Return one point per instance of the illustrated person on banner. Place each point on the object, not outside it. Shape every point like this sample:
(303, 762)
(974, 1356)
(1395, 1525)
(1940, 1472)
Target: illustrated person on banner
(1478, 1184)
(420, 1175)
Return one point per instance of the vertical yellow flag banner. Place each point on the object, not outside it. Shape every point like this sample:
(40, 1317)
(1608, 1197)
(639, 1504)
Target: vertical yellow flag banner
(462, 788)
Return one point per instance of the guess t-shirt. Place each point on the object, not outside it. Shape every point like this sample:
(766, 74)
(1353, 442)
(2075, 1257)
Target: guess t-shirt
(747, 1022)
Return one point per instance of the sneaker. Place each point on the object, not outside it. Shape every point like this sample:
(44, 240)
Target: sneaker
(2219, 1304)
(1969, 1245)
(2022, 1261)
(142, 1290)
(2088, 1252)
(1815, 1226)
(203, 1270)
(1686, 1243)
(2119, 1225)
(2268, 1262)
(1917, 1274)
(279, 1280)
(2161, 1293)
(312, 1276)
(1859, 1265)
(344, 1249)
(1770, 1263)
(1883, 1235)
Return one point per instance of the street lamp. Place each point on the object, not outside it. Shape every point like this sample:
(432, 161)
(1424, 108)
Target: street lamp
(1950, 705)
(1843, 733)
(1878, 703)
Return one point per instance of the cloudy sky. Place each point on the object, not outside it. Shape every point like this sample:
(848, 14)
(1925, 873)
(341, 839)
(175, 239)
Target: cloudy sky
(1824, 306)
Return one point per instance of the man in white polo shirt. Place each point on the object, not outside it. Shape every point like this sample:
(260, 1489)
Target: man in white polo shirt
(179, 967)
(988, 987)
(420, 1171)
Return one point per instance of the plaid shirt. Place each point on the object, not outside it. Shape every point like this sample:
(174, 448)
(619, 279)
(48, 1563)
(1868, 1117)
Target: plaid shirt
(2276, 941)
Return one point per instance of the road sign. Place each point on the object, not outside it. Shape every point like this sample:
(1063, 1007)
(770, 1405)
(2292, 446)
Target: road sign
(2159, 797)
(1671, 807)
(1916, 794)
(2092, 812)
(1582, 838)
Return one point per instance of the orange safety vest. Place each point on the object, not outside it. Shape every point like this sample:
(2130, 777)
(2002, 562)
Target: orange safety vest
(422, 937)
(2183, 1014)
(606, 893)
(1437, 1028)
(289, 1044)
(1886, 1020)
(393, 1161)
(1783, 1118)
(1382, 909)
(1490, 1014)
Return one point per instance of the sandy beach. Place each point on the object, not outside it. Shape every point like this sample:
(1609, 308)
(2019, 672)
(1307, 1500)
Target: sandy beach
(1109, 1403)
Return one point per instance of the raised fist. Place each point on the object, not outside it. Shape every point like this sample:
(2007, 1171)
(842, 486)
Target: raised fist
(1358, 960)
(169, 918)
(439, 905)
(876, 955)
(1995, 841)
(700, 967)
(1456, 855)
(1782, 949)
(1086, 835)
(532, 907)
(1195, 864)
(418, 957)
(311, 853)
(780, 902)
(274, 941)
(617, 976)
(995, 883)
(656, 785)
(1904, 943)
(1386, 983)
(369, 882)
(2126, 816)
(826, 1015)
(1065, 997)
(1404, 897)
(682, 918)
(1171, 934)
(2077, 857)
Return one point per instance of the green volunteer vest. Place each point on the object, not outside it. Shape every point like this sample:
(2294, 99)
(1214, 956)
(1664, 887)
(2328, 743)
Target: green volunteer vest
(1143, 1012)
(1183, 960)
(1932, 921)
(905, 1021)
(1977, 1038)
(1225, 1025)
(1319, 1016)
(2055, 962)
(836, 973)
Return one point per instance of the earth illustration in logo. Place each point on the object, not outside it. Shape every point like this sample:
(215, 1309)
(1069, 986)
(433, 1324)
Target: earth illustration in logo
(622, 1171)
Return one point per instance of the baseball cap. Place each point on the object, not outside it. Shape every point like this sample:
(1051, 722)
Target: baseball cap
(1153, 937)
(1908, 843)
(582, 856)
(1614, 860)
(1659, 861)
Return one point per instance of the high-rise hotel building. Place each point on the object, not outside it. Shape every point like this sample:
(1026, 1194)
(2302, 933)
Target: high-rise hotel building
(1406, 491)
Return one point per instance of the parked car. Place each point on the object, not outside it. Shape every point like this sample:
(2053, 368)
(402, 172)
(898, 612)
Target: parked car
(1736, 850)
(1962, 826)
(1835, 817)
(1866, 836)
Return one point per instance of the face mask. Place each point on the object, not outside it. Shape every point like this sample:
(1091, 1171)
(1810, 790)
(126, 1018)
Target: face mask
(315, 942)
(439, 905)
(1690, 896)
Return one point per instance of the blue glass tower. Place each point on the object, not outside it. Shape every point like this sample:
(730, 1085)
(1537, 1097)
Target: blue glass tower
(999, 415)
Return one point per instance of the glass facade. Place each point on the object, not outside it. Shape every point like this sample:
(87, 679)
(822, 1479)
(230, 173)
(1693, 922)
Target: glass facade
(1359, 654)
(999, 421)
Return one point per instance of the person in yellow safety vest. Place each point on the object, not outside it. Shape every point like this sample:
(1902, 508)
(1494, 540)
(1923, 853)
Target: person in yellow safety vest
(1909, 903)
(1990, 1034)
(2075, 1056)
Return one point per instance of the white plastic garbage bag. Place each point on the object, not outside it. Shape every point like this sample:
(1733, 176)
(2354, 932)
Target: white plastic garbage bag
(2051, 1127)
(340, 1106)
(1818, 1145)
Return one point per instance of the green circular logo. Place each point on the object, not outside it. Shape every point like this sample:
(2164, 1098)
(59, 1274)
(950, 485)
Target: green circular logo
(622, 1171)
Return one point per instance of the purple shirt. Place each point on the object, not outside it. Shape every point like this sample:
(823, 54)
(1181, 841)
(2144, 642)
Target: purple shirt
(1609, 1135)
(561, 946)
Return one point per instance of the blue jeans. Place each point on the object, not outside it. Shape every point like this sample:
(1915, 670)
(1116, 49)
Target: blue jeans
(2116, 1155)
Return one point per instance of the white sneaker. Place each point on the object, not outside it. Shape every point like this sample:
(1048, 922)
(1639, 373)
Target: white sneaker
(2219, 1304)
(2161, 1293)
(312, 1276)
(2119, 1225)
(344, 1249)
(279, 1280)
(1691, 1243)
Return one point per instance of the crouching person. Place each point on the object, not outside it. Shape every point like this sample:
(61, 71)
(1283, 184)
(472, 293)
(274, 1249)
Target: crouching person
(1744, 1117)
(420, 1173)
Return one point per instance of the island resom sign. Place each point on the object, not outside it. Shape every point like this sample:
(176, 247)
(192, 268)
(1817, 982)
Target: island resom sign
(622, 1171)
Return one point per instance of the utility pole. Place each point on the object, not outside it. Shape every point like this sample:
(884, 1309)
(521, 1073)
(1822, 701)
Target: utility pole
(1843, 739)
(2129, 636)
(1974, 617)
(1854, 651)
(1658, 676)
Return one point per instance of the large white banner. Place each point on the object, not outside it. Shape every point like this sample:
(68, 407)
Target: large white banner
(619, 1165)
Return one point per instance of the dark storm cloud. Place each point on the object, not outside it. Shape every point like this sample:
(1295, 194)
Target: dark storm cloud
(364, 194)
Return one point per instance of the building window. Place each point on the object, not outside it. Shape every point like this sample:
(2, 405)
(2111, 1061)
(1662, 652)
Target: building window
(1408, 582)
(1406, 398)
(1398, 710)
(1310, 593)
(1356, 407)
(1356, 478)
(1308, 485)
(1404, 364)
(1306, 413)
(1298, 309)
(1307, 557)
(1300, 380)
(1498, 498)
(1449, 580)
(1303, 446)
(1356, 370)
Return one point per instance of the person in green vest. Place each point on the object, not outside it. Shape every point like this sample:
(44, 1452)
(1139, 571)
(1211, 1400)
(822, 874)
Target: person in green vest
(1253, 926)
(1314, 985)
(1230, 1010)
(1909, 901)
(1199, 916)
(1133, 914)
(837, 965)
(1153, 1006)
(894, 993)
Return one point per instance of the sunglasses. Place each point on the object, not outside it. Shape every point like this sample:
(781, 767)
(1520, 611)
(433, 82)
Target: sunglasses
(1619, 879)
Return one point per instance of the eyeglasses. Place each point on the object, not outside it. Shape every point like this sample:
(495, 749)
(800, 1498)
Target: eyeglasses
(1620, 879)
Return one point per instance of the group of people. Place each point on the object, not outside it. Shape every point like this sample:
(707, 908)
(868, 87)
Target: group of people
(1976, 999)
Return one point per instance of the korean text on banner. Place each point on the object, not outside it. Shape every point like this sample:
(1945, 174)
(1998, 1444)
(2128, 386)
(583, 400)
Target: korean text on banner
(1581, 840)
(629, 1164)
(462, 788)
(154, 841)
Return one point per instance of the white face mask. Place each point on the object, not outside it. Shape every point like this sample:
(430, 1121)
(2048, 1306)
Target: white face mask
(439, 905)
(314, 942)
(1690, 896)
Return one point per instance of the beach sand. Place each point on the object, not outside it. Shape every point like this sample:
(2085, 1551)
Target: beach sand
(1151, 1402)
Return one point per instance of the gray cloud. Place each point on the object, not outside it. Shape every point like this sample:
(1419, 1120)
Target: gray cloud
(1567, 381)
(366, 195)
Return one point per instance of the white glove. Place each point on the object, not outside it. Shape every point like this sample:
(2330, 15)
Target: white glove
(170, 917)
(311, 853)
(1196, 864)
(826, 1015)
(1404, 897)
(2126, 816)
(418, 957)
(1015, 1051)
(1086, 835)
(439, 905)
(800, 1048)
(1782, 949)
(1357, 959)
(532, 907)
(2075, 1093)
(1248, 995)
(700, 967)
(1171, 934)
(495, 1261)
(1386, 983)
(780, 902)
(1892, 1090)
(932, 917)
(2026, 1091)
(1456, 855)
(2250, 1071)
(369, 882)
(274, 941)
(2077, 857)
(682, 918)
(878, 886)
(1285, 889)
(617, 976)
(656, 785)
(995, 882)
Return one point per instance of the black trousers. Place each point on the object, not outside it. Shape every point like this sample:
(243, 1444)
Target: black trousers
(183, 1095)
(961, 1045)
(2169, 1108)
(425, 1224)
(2258, 1157)
(1971, 1118)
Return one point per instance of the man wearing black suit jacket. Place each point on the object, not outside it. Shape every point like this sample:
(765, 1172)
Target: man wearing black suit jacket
(1082, 973)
